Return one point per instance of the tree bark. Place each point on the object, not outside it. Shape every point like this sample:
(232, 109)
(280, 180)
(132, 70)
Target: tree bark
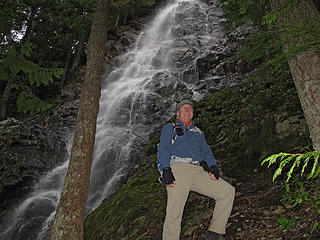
(4, 98)
(69, 216)
(305, 67)
(77, 57)
(63, 78)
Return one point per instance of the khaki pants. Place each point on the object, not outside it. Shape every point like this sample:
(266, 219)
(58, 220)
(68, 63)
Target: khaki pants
(193, 178)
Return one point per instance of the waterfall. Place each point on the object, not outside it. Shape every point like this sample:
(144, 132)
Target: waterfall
(126, 117)
(34, 215)
(137, 96)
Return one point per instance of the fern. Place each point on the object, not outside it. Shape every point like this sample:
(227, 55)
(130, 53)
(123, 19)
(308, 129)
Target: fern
(296, 159)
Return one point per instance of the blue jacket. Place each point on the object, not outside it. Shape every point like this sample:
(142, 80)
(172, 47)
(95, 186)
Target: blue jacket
(192, 144)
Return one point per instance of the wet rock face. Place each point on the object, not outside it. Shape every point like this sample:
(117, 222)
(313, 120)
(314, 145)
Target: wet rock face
(30, 149)
(26, 152)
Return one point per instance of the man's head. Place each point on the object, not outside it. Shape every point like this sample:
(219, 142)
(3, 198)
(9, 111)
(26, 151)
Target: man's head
(185, 110)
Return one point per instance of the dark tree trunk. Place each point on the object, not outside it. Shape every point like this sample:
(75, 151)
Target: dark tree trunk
(30, 25)
(304, 67)
(63, 78)
(4, 99)
(77, 57)
(69, 216)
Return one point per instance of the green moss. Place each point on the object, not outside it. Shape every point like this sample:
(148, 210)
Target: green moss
(240, 124)
(152, 147)
(136, 207)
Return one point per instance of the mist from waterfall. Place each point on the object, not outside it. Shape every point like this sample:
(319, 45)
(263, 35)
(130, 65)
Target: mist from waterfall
(138, 96)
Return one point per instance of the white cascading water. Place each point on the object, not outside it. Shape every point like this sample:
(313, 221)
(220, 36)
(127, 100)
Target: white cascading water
(118, 123)
(34, 215)
(128, 114)
(124, 116)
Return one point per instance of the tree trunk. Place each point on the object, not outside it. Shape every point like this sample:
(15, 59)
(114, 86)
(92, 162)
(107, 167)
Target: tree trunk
(69, 216)
(63, 78)
(30, 25)
(305, 67)
(4, 99)
(77, 57)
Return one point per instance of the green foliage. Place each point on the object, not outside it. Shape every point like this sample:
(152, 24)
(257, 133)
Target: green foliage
(284, 10)
(27, 101)
(296, 160)
(242, 11)
(299, 38)
(40, 38)
(285, 223)
(264, 46)
(267, 46)
(303, 193)
(152, 147)
(139, 205)
(296, 192)
(26, 74)
(240, 124)
(130, 10)
(14, 63)
(122, 3)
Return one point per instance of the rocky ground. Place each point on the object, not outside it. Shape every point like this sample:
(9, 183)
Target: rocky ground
(256, 209)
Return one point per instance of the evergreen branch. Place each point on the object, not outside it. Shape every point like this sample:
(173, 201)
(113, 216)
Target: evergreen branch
(27, 101)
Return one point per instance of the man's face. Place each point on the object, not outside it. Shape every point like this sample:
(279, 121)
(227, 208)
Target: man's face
(185, 113)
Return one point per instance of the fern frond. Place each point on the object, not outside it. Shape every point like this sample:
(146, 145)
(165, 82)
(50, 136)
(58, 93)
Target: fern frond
(296, 163)
(272, 159)
(306, 161)
(317, 173)
(283, 162)
(315, 165)
(285, 158)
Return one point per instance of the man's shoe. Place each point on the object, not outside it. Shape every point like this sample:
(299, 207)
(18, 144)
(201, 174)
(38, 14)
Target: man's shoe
(213, 236)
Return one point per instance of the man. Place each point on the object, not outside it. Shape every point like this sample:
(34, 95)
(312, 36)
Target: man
(186, 163)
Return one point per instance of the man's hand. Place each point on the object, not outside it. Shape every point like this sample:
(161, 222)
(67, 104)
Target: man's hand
(211, 176)
(213, 171)
(167, 177)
